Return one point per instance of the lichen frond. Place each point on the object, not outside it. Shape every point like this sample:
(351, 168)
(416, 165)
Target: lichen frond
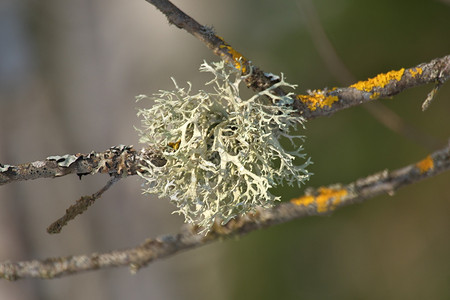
(223, 152)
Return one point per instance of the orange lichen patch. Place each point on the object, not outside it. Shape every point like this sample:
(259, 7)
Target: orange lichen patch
(317, 99)
(326, 200)
(415, 71)
(381, 80)
(175, 145)
(304, 200)
(238, 59)
(425, 165)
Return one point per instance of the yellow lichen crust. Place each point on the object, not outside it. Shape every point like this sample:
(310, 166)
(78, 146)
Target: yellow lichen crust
(416, 71)
(380, 81)
(238, 59)
(304, 200)
(317, 99)
(425, 165)
(375, 95)
(327, 199)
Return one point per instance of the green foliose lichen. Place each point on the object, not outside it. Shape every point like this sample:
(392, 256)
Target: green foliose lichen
(223, 152)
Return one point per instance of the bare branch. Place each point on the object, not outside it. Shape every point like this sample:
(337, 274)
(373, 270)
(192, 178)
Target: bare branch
(321, 201)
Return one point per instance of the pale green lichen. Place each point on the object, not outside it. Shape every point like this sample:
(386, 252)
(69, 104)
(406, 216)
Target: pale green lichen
(223, 152)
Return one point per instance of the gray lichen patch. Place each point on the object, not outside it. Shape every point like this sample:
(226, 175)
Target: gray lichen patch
(222, 152)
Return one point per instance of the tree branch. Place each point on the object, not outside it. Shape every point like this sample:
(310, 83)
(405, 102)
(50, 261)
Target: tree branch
(257, 80)
(319, 102)
(321, 201)
(79, 207)
(120, 159)
(315, 104)
(124, 160)
(327, 102)
(117, 160)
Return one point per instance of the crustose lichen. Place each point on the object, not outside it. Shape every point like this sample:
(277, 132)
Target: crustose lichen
(223, 153)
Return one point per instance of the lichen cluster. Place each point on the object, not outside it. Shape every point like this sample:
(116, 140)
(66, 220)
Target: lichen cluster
(223, 153)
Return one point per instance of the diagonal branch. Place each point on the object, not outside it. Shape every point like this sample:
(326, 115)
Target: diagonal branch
(320, 102)
(321, 201)
(317, 103)
(256, 80)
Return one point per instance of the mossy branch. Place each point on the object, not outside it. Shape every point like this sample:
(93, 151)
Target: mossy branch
(116, 161)
(319, 102)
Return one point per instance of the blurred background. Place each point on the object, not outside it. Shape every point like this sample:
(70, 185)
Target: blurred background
(69, 72)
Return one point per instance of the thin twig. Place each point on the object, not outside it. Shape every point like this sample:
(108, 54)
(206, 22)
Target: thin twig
(321, 201)
(79, 207)
(431, 95)
(344, 76)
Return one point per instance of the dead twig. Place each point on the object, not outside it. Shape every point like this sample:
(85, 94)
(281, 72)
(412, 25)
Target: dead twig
(79, 207)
